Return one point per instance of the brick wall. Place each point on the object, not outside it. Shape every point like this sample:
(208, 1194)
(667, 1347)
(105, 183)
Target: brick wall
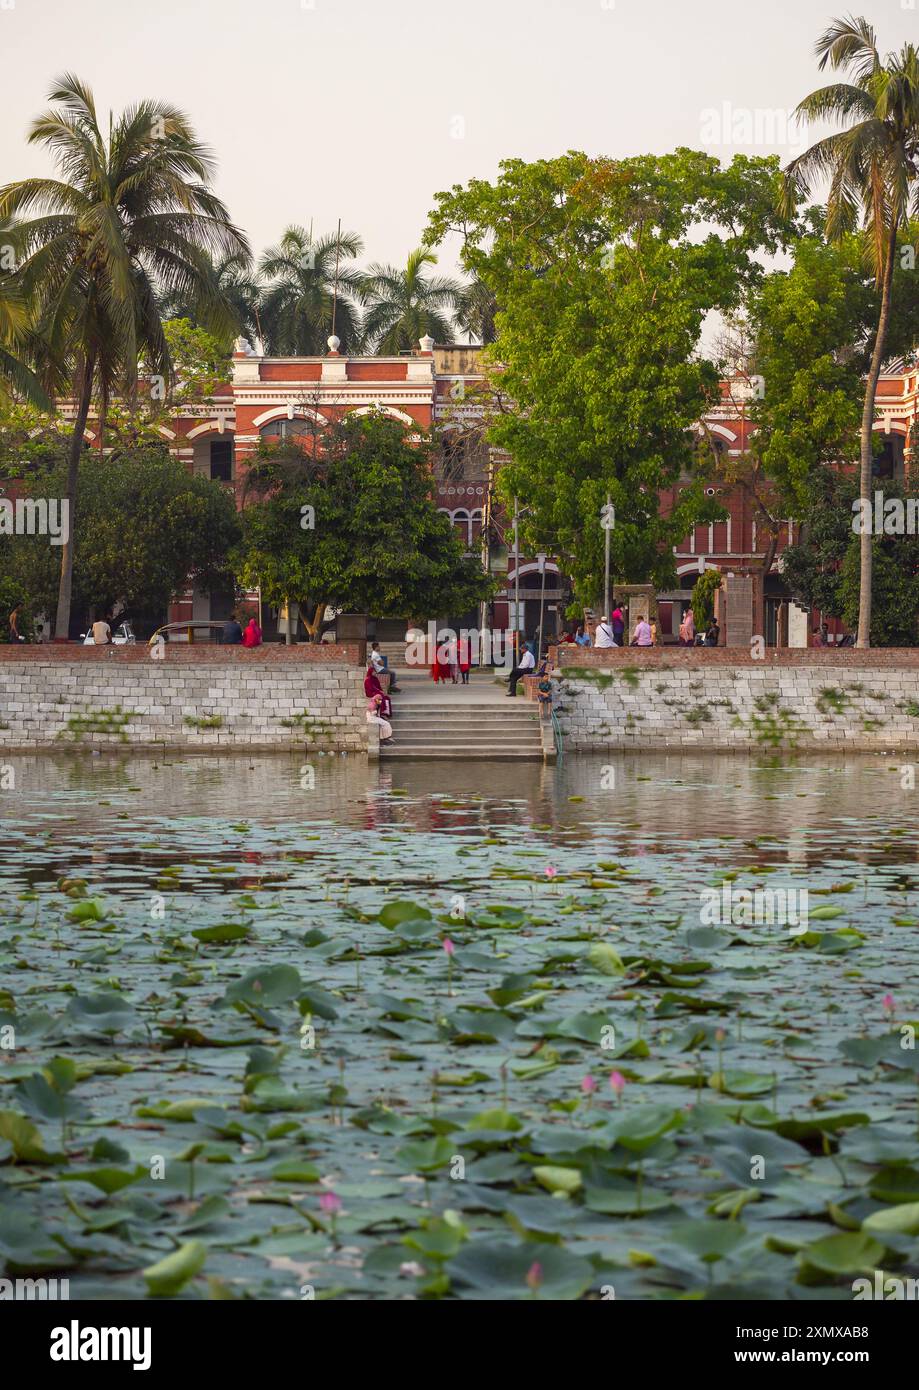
(202, 653)
(724, 704)
(110, 699)
(700, 658)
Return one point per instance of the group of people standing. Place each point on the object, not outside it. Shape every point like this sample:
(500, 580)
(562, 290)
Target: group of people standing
(452, 662)
(611, 632)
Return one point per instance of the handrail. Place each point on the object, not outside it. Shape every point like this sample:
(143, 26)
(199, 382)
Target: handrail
(557, 731)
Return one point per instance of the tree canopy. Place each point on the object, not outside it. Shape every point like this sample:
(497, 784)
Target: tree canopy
(350, 522)
(603, 272)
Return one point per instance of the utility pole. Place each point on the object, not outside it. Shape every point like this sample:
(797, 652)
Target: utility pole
(335, 286)
(608, 527)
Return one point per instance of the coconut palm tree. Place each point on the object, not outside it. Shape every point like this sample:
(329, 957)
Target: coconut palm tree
(16, 376)
(475, 312)
(872, 170)
(131, 217)
(296, 309)
(404, 305)
(234, 285)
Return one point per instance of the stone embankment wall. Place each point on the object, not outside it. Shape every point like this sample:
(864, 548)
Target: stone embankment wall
(192, 697)
(849, 700)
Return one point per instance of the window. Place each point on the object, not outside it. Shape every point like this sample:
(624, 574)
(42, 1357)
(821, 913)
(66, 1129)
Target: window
(286, 429)
(222, 460)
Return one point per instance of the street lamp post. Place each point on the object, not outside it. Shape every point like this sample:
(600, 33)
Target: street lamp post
(516, 577)
(541, 561)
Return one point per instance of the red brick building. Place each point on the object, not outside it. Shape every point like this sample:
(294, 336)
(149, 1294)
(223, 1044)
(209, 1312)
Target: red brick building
(434, 388)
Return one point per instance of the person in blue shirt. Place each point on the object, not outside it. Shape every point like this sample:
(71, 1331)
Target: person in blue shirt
(582, 636)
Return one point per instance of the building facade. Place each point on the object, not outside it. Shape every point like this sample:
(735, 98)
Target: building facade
(436, 389)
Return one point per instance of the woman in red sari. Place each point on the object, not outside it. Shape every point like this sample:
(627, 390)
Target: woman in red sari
(372, 687)
(440, 666)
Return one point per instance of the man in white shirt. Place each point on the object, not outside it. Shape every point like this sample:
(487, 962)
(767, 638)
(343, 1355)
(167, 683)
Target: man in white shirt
(380, 664)
(603, 637)
(102, 633)
(526, 663)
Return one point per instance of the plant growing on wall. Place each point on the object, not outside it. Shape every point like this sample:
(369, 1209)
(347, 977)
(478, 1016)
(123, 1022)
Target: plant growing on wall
(703, 598)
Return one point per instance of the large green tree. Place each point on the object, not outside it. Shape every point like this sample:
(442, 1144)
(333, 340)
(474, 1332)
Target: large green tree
(872, 166)
(349, 521)
(792, 372)
(131, 217)
(823, 571)
(149, 528)
(604, 272)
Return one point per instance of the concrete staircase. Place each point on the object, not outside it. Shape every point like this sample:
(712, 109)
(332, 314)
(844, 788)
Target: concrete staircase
(505, 729)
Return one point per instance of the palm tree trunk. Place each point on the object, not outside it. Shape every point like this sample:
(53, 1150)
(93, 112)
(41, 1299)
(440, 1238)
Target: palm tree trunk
(62, 620)
(865, 481)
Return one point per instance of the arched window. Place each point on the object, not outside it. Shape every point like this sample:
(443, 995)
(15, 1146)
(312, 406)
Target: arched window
(283, 428)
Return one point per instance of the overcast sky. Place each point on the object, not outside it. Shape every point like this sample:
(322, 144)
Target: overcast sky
(363, 109)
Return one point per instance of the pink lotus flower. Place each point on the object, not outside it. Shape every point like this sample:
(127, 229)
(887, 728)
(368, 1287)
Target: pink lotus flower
(617, 1081)
(330, 1203)
(551, 871)
(888, 1003)
(449, 947)
(588, 1084)
(534, 1275)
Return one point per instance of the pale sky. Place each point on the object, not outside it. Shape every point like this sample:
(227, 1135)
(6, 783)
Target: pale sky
(363, 109)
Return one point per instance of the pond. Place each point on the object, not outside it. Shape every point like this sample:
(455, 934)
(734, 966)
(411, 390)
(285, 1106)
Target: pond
(290, 1029)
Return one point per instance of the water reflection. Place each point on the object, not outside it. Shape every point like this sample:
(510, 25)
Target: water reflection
(97, 814)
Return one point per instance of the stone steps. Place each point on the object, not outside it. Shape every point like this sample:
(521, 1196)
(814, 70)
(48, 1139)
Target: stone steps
(469, 731)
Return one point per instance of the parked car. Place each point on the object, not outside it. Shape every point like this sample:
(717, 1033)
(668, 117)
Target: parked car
(185, 632)
(123, 636)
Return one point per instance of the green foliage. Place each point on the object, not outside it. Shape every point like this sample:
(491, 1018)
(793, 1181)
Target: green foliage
(12, 596)
(304, 274)
(145, 527)
(822, 569)
(404, 306)
(773, 725)
(703, 599)
(99, 721)
(203, 721)
(807, 324)
(603, 282)
(378, 543)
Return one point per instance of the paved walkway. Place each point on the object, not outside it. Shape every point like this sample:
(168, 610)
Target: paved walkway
(417, 688)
